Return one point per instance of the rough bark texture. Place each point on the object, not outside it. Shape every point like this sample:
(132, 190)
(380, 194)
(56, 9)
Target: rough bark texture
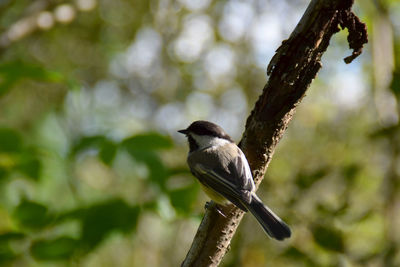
(291, 71)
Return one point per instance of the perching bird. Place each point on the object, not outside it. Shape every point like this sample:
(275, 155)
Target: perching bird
(224, 173)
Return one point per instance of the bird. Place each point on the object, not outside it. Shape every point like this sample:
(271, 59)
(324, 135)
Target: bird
(224, 174)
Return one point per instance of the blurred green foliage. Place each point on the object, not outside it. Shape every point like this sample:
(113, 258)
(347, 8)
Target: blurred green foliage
(12, 72)
(93, 173)
(17, 157)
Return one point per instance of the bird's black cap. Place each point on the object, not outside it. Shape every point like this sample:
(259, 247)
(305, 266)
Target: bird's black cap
(206, 128)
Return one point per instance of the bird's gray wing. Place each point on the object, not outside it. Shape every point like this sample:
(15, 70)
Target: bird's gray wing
(240, 172)
(219, 183)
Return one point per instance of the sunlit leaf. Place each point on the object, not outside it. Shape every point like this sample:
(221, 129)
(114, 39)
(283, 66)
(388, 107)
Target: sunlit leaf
(56, 249)
(32, 215)
(164, 207)
(328, 238)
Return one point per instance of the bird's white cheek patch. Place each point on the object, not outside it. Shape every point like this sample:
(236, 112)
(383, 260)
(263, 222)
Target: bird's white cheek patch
(204, 141)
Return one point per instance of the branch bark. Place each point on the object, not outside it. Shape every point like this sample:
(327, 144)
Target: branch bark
(291, 71)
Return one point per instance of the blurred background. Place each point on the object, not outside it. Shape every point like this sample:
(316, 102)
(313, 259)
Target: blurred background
(93, 172)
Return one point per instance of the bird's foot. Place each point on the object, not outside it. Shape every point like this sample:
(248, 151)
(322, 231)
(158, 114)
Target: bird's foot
(217, 208)
(209, 204)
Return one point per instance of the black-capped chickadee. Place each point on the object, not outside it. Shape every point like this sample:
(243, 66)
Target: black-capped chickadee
(224, 173)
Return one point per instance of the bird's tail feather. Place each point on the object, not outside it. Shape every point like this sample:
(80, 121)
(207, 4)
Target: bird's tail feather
(270, 222)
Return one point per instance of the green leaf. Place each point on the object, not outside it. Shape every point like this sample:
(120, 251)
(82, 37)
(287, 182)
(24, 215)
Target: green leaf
(395, 86)
(101, 219)
(328, 238)
(11, 236)
(6, 252)
(296, 254)
(14, 156)
(143, 148)
(364, 216)
(178, 170)
(183, 198)
(147, 142)
(31, 167)
(73, 84)
(12, 72)
(87, 142)
(390, 131)
(326, 210)
(350, 172)
(305, 180)
(10, 140)
(56, 249)
(107, 148)
(3, 173)
(158, 173)
(32, 215)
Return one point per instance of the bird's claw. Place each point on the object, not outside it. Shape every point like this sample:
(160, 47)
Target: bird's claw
(208, 205)
(220, 211)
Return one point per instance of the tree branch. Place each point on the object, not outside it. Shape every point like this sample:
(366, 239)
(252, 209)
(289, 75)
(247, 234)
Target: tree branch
(291, 71)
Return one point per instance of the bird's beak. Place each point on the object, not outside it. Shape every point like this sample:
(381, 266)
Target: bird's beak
(184, 131)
